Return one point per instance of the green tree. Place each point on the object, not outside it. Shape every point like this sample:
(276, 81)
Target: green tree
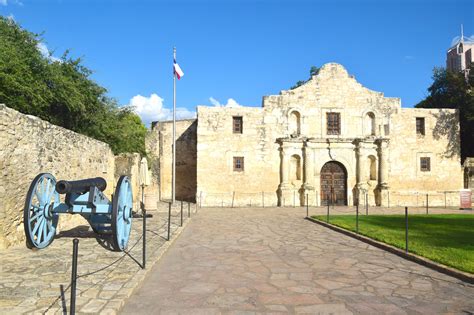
(452, 90)
(62, 92)
(312, 71)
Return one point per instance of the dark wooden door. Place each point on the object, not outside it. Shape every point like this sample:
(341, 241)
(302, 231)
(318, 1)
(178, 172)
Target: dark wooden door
(333, 184)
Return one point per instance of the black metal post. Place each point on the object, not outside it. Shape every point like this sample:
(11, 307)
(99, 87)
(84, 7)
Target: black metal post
(357, 219)
(307, 206)
(388, 197)
(189, 210)
(181, 213)
(169, 221)
(426, 203)
(406, 229)
(144, 238)
(327, 219)
(75, 249)
(366, 204)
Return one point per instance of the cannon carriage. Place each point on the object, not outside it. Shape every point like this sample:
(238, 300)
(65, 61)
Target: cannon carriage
(84, 197)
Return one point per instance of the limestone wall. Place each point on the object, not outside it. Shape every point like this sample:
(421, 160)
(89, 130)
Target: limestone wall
(161, 156)
(30, 146)
(299, 117)
(129, 164)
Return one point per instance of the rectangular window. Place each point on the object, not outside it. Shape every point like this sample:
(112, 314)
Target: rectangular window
(425, 164)
(238, 163)
(420, 126)
(333, 123)
(237, 124)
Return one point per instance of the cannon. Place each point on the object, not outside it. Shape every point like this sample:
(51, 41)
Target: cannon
(84, 197)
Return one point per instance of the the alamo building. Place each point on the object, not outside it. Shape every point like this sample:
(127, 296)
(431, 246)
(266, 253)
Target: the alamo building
(330, 139)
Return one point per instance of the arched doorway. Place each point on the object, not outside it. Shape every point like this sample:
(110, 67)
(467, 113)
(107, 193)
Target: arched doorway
(333, 184)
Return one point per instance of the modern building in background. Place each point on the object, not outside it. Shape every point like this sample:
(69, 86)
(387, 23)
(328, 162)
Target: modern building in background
(459, 56)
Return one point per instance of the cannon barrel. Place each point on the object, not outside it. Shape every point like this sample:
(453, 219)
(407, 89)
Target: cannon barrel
(80, 186)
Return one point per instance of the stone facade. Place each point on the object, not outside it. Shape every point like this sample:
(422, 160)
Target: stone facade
(373, 149)
(30, 146)
(159, 145)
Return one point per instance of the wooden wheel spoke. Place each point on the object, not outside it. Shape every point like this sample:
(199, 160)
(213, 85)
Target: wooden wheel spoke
(35, 216)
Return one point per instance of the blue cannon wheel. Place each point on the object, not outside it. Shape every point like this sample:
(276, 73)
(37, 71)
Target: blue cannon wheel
(38, 218)
(122, 204)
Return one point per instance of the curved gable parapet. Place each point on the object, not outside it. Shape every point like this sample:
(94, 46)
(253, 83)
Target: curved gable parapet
(332, 86)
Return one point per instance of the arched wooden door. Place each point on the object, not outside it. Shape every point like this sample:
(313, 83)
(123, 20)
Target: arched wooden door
(333, 184)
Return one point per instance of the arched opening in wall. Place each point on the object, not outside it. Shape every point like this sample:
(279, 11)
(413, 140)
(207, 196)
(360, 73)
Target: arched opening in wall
(369, 121)
(295, 123)
(333, 184)
(372, 163)
(295, 168)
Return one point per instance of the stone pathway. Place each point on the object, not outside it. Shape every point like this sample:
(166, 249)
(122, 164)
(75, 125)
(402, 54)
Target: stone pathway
(32, 281)
(247, 261)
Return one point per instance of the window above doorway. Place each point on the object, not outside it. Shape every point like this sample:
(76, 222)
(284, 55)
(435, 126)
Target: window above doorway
(420, 126)
(425, 164)
(333, 123)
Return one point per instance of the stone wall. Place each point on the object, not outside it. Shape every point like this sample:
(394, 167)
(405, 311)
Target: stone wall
(30, 146)
(129, 164)
(159, 145)
(377, 146)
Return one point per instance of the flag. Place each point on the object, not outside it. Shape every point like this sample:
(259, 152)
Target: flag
(177, 70)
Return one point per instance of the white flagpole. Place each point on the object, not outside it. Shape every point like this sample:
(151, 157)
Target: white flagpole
(173, 185)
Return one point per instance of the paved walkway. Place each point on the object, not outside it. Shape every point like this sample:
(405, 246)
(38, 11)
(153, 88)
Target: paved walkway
(239, 261)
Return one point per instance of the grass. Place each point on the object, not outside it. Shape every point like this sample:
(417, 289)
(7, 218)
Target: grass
(444, 238)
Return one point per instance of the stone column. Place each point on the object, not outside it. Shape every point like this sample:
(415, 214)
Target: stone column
(285, 191)
(360, 172)
(381, 150)
(284, 165)
(308, 167)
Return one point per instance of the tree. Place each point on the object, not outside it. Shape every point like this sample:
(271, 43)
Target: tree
(452, 90)
(312, 72)
(62, 92)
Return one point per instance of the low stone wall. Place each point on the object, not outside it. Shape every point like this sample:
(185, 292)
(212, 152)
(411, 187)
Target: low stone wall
(30, 146)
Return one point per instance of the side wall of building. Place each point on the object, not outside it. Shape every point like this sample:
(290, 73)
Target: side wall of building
(441, 144)
(186, 157)
(30, 146)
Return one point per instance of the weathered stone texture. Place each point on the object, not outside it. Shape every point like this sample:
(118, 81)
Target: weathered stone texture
(129, 164)
(285, 145)
(30, 146)
(159, 144)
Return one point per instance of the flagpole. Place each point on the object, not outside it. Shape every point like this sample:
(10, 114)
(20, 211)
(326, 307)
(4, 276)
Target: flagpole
(173, 184)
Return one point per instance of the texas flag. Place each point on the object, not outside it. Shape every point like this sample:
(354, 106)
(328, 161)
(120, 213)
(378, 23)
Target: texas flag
(177, 70)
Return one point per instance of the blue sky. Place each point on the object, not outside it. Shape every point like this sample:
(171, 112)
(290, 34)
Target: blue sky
(243, 50)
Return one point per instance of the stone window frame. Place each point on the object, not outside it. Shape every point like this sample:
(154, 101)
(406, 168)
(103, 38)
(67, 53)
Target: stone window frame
(237, 124)
(420, 123)
(238, 164)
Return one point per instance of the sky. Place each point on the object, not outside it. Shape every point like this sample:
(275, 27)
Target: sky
(235, 52)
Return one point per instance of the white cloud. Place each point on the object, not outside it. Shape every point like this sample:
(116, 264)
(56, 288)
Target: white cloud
(45, 52)
(152, 109)
(230, 103)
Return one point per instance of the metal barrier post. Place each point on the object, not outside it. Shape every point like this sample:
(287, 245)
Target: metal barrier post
(169, 220)
(189, 210)
(144, 237)
(307, 206)
(426, 203)
(75, 248)
(327, 219)
(366, 204)
(357, 219)
(181, 213)
(406, 229)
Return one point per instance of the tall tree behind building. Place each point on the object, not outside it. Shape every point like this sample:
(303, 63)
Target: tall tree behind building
(62, 92)
(452, 90)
